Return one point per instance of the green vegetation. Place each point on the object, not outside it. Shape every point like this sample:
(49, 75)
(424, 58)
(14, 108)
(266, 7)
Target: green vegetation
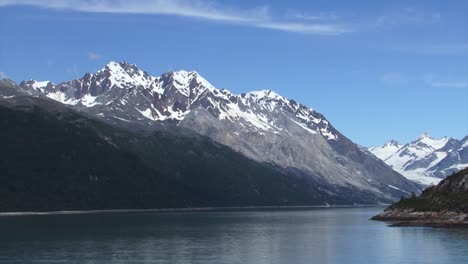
(451, 194)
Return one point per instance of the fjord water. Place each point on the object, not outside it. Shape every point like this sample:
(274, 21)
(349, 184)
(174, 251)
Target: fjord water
(325, 235)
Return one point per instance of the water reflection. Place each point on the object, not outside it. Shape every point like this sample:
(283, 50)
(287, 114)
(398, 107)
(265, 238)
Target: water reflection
(340, 235)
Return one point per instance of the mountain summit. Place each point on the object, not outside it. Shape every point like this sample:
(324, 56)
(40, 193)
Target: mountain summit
(172, 96)
(261, 125)
(425, 160)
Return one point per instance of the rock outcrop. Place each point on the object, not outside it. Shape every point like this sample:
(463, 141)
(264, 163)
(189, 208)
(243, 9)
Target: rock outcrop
(443, 205)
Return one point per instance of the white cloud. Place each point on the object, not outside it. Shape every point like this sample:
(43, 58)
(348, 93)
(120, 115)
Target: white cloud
(94, 56)
(202, 9)
(309, 16)
(322, 29)
(393, 78)
(3, 75)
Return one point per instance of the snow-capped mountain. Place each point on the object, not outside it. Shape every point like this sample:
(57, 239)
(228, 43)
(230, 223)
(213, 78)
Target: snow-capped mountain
(387, 150)
(425, 160)
(171, 97)
(262, 125)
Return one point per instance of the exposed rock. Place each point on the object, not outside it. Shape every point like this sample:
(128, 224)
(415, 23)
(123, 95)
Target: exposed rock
(443, 205)
(261, 125)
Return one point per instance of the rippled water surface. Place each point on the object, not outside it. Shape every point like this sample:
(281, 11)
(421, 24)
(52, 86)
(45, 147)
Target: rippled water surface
(328, 235)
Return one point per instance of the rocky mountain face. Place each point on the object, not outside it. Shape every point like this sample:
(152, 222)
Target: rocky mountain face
(262, 125)
(425, 160)
(54, 158)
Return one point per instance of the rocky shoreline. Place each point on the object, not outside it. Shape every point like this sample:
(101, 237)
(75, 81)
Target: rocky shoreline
(444, 205)
(408, 217)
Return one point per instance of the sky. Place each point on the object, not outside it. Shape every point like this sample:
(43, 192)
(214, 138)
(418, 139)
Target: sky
(378, 70)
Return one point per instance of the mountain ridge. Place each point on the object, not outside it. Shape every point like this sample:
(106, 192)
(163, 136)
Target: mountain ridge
(75, 162)
(425, 159)
(186, 83)
(262, 125)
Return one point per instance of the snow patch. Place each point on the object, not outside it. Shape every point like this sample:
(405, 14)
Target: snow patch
(148, 114)
(39, 85)
(385, 151)
(62, 98)
(89, 100)
(305, 127)
(420, 176)
(396, 188)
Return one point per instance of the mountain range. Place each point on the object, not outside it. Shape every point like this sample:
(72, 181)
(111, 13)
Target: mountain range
(262, 126)
(54, 158)
(425, 160)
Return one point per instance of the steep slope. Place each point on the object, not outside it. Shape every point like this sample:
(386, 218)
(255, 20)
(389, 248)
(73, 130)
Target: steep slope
(387, 150)
(53, 158)
(444, 204)
(9, 89)
(425, 160)
(455, 160)
(261, 125)
(450, 194)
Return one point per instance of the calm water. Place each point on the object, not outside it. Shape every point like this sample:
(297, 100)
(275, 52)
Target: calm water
(337, 235)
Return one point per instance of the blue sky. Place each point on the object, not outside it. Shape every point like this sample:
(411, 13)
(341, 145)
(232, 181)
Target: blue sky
(376, 69)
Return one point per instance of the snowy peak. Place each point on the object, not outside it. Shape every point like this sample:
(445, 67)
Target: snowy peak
(124, 74)
(122, 90)
(262, 125)
(188, 83)
(39, 86)
(117, 68)
(387, 150)
(426, 159)
(265, 95)
(424, 135)
(392, 143)
(426, 140)
(269, 99)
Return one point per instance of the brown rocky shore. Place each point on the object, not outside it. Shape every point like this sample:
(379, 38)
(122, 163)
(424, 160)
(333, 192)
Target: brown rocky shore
(413, 218)
(444, 205)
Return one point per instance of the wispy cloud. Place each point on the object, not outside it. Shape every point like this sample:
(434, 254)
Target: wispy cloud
(321, 16)
(94, 56)
(322, 29)
(393, 78)
(3, 75)
(259, 17)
